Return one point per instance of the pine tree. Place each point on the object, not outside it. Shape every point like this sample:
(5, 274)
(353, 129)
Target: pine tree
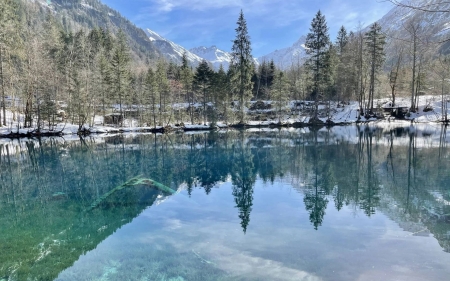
(342, 68)
(279, 91)
(317, 42)
(242, 65)
(120, 70)
(186, 81)
(162, 86)
(221, 93)
(151, 93)
(341, 40)
(202, 83)
(375, 41)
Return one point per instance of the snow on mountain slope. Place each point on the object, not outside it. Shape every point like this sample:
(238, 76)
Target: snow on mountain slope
(171, 51)
(433, 24)
(214, 55)
(430, 26)
(284, 58)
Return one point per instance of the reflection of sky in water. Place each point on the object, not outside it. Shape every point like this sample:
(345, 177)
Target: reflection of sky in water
(202, 237)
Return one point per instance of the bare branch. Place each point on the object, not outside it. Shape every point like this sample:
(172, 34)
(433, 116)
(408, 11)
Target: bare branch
(431, 7)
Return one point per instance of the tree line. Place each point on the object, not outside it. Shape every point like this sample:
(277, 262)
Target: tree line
(49, 74)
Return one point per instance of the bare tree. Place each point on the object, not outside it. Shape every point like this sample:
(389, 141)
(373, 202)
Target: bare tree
(395, 73)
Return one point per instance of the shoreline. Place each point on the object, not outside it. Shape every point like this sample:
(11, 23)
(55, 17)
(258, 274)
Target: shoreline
(100, 130)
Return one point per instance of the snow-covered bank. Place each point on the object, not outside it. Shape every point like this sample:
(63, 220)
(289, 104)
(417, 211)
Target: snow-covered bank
(291, 114)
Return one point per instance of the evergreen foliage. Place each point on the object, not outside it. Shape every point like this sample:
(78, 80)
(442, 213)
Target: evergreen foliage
(242, 65)
(317, 44)
(375, 41)
(202, 84)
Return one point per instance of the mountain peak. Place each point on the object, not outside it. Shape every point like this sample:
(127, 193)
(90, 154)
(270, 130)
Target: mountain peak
(171, 51)
(214, 55)
(285, 57)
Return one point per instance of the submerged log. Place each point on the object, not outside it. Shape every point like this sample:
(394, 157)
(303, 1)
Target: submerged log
(138, 180)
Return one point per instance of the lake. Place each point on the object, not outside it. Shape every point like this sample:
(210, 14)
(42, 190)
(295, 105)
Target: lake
(341, 203)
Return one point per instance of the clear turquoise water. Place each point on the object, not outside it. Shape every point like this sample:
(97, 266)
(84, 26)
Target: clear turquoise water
(339, 204)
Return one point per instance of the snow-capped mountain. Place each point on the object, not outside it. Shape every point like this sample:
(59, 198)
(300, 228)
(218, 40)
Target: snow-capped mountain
(286, 57)
(214, 55)
(433, 24)
(171, 51)
(430, 26)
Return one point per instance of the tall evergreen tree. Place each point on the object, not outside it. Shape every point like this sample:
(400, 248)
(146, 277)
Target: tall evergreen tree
(343, 63)
(186, 81)
(151, 93)
(121, 70)
(162, 86)
(242, 65)
(317, 42)
(375, 41)
(341, 40)
(202, 83)
(221, 93)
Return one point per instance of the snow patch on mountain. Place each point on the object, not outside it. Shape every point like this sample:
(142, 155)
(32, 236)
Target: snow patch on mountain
(214, 55)
(432, 25)
(171, 51)
(286, 57)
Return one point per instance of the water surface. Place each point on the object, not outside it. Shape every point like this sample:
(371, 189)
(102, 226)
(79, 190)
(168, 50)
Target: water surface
(347, 203)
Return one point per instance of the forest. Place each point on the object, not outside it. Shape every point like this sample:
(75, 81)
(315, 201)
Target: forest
(53, 71)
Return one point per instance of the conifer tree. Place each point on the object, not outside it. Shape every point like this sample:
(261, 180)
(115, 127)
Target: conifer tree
(202, 83)
(342, 68)
(341, 40)
(279, 90)
(186, 81)
(317, 42)
(242, 65)
(151, 93)
(120, 71)
(162, 86)
(221, 93)
(375, 41)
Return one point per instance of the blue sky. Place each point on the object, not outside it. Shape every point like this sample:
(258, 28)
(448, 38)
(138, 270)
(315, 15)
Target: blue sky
(271, 24)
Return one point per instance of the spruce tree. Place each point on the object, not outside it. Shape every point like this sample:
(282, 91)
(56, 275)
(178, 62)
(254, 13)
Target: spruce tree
(151, 93)
(317, 42)
(341, 40)
(221, 93)
(242, 65)
(342, 68)
(202, 83)
(375, 41)
(120, 71)
(162, 86)
(186, 81)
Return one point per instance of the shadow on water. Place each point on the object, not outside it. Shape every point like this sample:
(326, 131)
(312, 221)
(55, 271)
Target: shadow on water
(59, 200)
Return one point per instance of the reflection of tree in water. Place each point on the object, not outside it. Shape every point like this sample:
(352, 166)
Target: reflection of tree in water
(243, 177)
(212, 169)
(369, 193)
(318, 188)
(416, 180)
(315, 203)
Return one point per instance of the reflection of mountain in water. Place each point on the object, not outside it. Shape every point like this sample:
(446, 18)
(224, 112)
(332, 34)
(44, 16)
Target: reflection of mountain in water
(48, 186)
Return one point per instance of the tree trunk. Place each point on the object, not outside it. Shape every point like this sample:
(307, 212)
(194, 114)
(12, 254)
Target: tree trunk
(2, 77)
